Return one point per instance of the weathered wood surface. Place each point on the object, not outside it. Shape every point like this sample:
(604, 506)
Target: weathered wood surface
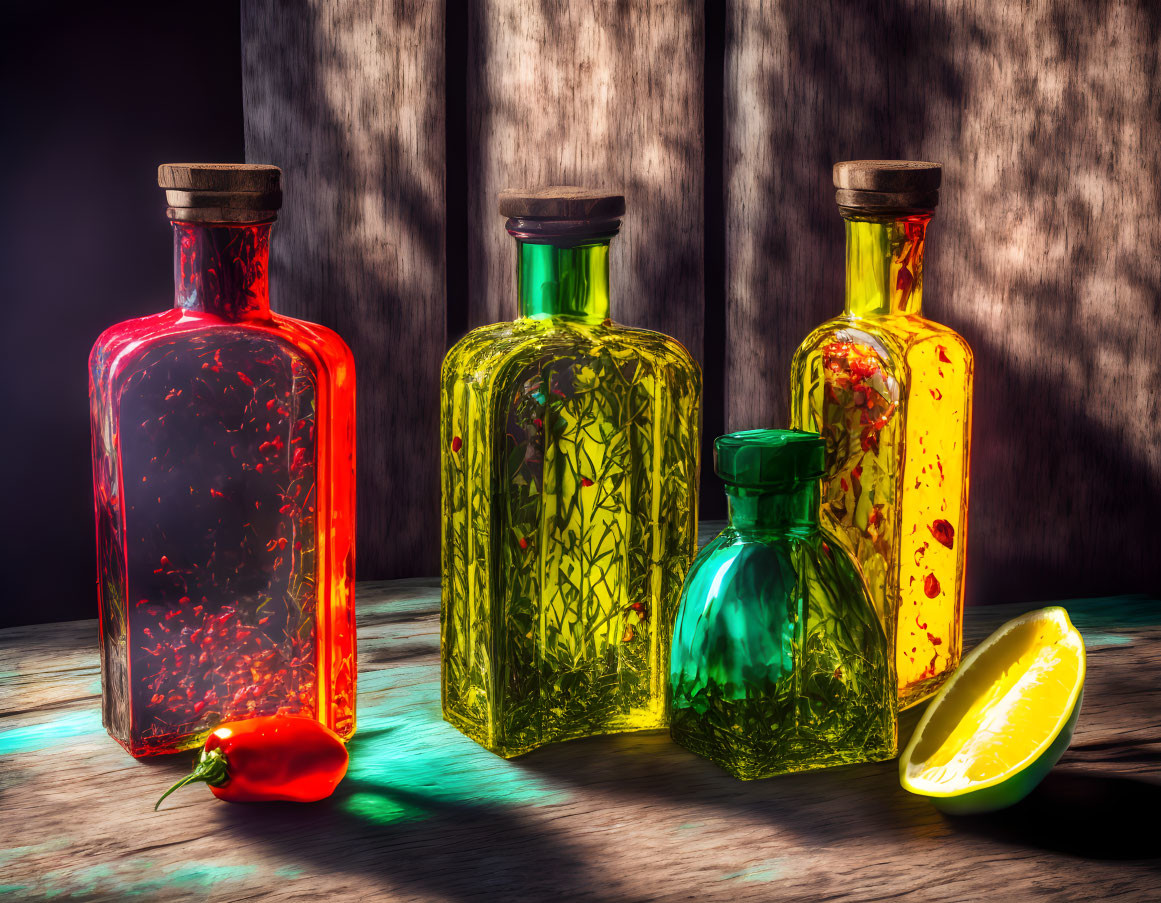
(425, 814)
(1043, 253)
(348, 98)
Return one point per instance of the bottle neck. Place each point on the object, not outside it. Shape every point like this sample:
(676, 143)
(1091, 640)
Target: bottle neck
(222, 269)
(885, 264)
(794, 511)
(564, 281)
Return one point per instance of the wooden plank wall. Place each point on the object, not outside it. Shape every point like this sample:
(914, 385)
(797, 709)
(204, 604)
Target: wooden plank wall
(721, 122)
(617, 103)
(1044, 251)
(348, 98)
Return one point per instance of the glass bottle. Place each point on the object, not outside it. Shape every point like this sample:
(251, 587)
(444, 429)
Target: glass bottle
(890, 391)
(223, 476)
(570, 469)
(780, 661)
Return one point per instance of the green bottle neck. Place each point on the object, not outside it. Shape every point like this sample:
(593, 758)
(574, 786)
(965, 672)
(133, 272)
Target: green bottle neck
(559, 281)
(785, 512)
(885, 264)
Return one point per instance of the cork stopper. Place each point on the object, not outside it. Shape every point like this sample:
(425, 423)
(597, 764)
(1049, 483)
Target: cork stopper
(887, 186)
(561, 202)
(221, 192)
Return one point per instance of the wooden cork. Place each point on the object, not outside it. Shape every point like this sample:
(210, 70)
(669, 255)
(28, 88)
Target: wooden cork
(561, 202)
(221, 192)
(887, 185)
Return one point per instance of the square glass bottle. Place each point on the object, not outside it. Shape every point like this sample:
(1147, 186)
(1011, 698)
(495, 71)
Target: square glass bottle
(569, 473)
(223, 476)
(890, 391)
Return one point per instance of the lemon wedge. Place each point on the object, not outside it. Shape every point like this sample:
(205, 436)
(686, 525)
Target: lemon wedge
(1002, 720)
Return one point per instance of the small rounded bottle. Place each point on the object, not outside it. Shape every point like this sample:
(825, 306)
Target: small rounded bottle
(779, 661)
(223, 476)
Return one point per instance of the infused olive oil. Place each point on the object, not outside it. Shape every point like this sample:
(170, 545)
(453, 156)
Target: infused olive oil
(890, 392)
(570, 450)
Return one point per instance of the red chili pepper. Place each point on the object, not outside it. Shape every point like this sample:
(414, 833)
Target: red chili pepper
(276, 757)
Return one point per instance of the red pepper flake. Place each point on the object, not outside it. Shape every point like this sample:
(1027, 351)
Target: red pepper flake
(270, 404)
(845, 485)
(457, 444)
(242, 376)
(586, 482)
(904, 281)
(857, 471)
(930, 586)
(920, 625)
(934, 640)
(184, 600)
(936, 394)
(943, 354)
(539, 423)
(286, 509)
(523, 543)
(943, 532)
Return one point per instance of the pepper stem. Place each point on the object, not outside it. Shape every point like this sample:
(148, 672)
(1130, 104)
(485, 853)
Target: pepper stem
(211, 768)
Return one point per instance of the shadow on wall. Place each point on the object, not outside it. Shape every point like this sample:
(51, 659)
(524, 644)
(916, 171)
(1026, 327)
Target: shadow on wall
(1043, 254)
(349, 103)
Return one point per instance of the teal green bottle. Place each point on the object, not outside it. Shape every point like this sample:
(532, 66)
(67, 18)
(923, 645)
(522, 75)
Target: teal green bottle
(779, 661)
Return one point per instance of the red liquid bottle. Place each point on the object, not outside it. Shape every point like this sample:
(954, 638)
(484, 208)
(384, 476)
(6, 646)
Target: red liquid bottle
(224, 485)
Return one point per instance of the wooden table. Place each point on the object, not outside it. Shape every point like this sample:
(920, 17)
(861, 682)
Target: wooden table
(425, 814)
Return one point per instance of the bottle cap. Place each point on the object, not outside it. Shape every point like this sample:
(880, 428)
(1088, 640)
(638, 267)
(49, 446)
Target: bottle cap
(769, 459)
(887, 186)
(221, 192)
(561, 213)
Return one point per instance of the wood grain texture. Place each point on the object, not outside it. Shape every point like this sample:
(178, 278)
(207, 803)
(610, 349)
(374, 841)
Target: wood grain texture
(606, 96)
(1043, 252)
(348, 98)
(425, 814)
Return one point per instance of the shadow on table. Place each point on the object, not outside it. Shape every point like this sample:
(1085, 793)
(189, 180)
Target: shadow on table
(440, 839)
(1080, 814)
(430, 841)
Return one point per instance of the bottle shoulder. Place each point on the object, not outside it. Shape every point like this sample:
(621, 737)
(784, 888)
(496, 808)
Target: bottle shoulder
(928, 332)
(488, 349)
(118, 350)
(325, 347)
(308, 333)
(745, 561)
(665, 348)
(844, 339)
(891, 339)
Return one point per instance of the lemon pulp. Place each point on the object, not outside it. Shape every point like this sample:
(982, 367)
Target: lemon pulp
(1003, 713)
